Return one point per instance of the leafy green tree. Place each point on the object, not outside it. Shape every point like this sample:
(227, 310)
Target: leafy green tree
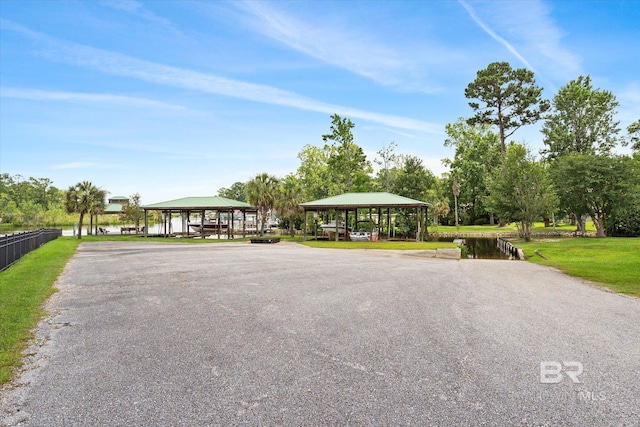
(437, 196)
(413, 180)
(288, 200)
(507, 98)
(523, 192)
(347, 164)
(477, 155)
(133, 213)
(388, 163)
(235, 192)
(262, 191)
(313, 171)
(594, 185)
(98, 204)
(634, 135)
(582, 121)
(80, 199)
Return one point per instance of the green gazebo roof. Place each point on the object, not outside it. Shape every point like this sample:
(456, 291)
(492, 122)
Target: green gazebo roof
(200, 203)
(364, 200)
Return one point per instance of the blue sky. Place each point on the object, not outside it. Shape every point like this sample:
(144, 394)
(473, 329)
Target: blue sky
(174, 99)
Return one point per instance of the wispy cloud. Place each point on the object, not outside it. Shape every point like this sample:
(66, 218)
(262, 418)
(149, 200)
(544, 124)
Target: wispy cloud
(350, 48)
(42, 95)
(529, 26)
(493, 34)
(136, 8)
(122, 65)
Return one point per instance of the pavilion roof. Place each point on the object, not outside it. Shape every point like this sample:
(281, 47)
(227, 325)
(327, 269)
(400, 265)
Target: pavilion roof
(200, 203)
(364, 200)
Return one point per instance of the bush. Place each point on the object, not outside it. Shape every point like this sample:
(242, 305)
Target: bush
(481, 221)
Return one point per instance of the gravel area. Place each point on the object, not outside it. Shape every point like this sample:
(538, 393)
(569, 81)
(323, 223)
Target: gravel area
(144, 334)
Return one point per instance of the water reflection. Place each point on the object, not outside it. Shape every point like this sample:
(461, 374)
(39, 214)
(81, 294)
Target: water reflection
(477, 247)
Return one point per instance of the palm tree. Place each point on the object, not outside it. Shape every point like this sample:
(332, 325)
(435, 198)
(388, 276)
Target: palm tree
(261, 193)
(81, 199)
(97, 205)
(289, 199)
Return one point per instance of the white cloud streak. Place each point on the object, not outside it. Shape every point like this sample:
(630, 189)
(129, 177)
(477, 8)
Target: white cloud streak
(405, 67)
(41, 95)
(530, 26)
(126, 66)
(494, 35)
(136, 8)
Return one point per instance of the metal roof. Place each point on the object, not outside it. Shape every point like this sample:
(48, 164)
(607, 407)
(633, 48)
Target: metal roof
(364, 200)
(200, 203)
(113, 208)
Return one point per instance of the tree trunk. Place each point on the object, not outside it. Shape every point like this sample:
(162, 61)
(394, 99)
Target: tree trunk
(80, 225)
(547, 222)
(492, 220)
(579, 224)
(599, 223)
(90, 223)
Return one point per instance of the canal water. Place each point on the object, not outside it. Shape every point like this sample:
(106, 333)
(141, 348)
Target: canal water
(477, 247)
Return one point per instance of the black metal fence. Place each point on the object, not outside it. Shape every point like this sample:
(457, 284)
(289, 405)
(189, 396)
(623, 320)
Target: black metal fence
(15, 246)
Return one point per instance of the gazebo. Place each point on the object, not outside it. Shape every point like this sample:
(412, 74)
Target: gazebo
(352, 202)
(217, 205)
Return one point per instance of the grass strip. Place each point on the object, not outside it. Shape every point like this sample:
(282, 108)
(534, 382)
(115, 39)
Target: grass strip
(379, 245)
(538, 227)
(611, 261)
(23, 289)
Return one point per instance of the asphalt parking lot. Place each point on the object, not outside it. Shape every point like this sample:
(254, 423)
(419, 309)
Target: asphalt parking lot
(241, 334)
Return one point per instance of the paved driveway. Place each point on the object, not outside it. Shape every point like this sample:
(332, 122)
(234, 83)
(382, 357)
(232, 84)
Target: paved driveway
(148, 334)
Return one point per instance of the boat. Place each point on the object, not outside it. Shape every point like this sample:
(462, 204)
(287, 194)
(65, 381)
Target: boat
(208, 226)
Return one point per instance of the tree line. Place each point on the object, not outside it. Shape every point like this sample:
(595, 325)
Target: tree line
(576, 176)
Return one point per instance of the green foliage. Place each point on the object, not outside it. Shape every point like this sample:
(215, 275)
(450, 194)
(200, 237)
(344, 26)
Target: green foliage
(288, 201)
(522, 191)
(612, 262)
(262, 192)
(634, 135)
(84, 198)
(582, 121)
(388, 163)
(132, 212)
(314, 171)
(508, 98)
(23, 288)
(27, 202)
(347, 164)
(477, 155)
(595, 185)
(235, 192)
(413, 180)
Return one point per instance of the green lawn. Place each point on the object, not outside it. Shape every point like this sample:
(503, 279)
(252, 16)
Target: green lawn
(379, 245)
(23, 289)
(611, 261)
(538, 227)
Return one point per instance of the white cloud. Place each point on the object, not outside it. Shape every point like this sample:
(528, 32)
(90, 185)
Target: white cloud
(136, 8)
(127, 66)
(493, 34)
(352, 49)
(529, 26)
(41, 95)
